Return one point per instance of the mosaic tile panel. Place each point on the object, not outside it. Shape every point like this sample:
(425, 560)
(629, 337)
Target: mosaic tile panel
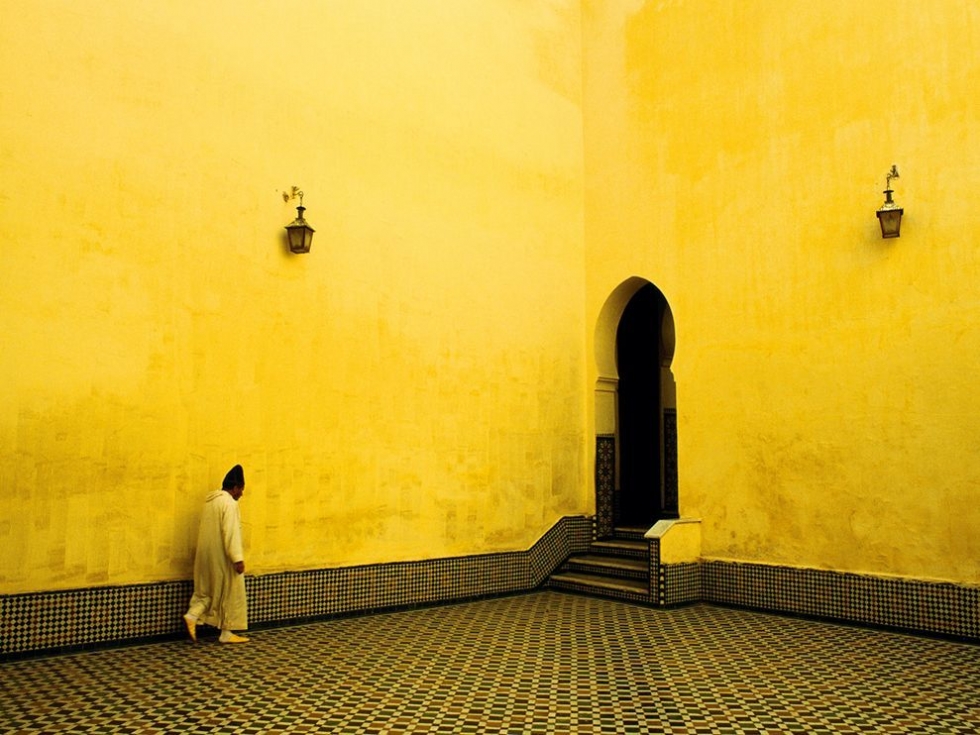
(670, 462)
(605, 485)
(72, 619)
(65, 619)
(656, 581)
(927, 607)
(541, 663)
(681, 583)
(571, 535)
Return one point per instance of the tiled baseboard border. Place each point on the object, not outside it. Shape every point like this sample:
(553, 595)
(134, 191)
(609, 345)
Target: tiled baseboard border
(915, 606)
(42, 623)
(679, 584)
(68, 620)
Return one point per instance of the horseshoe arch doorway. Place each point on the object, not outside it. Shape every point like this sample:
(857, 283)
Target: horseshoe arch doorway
(636, 409)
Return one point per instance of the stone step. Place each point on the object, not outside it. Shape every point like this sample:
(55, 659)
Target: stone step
(613, 566)
(621, 547)
(607, 586)
(629, 532)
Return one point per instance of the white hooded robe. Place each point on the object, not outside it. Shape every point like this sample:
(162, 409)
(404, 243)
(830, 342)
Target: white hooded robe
(219, 591)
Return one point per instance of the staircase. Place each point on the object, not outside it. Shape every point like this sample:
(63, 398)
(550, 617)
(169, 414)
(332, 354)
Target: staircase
(617, 567)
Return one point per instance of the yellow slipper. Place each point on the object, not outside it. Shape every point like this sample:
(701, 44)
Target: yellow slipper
(233, 639)
(191, 624)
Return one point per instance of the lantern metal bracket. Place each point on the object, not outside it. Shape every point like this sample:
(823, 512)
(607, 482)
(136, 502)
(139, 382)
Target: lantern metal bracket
(298, 232)
(890, 214)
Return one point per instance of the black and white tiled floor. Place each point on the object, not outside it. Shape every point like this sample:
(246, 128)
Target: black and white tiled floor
(544, 662)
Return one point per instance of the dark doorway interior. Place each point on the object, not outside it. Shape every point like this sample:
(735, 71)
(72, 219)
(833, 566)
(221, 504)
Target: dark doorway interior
(638, 356)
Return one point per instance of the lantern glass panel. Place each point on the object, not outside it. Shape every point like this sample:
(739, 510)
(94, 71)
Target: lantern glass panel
(891, 222)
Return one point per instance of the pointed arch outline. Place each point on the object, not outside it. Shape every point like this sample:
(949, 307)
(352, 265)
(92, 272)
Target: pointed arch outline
(606, 403)
(608, 322)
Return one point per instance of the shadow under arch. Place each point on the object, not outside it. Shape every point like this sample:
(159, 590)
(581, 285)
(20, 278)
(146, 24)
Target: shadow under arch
(635, 409)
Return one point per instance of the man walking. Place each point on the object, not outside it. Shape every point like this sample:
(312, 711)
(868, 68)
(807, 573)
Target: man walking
(219, 564)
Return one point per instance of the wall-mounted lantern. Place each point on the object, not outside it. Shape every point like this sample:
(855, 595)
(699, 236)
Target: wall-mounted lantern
(890, 214)
(298, 231)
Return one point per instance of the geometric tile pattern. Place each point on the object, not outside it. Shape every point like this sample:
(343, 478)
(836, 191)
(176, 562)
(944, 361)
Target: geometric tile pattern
(64, 619)
(902, 604)
(673, 584)
(680, 584)
(542, 662)
(70, 620)
(670, 462)
(572, 534)
(657, 587)
(77, 619)
(605, 485)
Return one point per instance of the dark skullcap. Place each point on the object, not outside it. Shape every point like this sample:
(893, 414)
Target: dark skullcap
(234, 478)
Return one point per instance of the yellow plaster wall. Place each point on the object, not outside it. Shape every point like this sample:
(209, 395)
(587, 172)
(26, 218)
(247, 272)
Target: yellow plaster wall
(414, 386)
(409, 389)
(735, 155)
(679, 540)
